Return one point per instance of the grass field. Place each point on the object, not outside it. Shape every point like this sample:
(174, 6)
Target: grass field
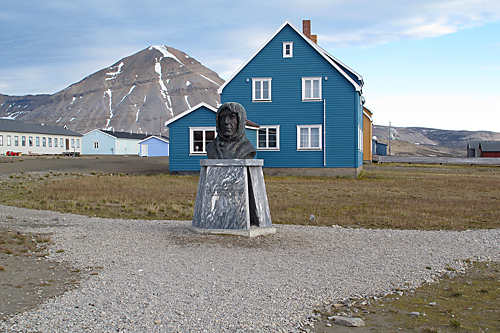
(388, 196)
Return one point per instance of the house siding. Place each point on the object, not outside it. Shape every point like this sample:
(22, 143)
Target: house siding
(286, 109)
(156, 147)
(180, 159)
(106, 144)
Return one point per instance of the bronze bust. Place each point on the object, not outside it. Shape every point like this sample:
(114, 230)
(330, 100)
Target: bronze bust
(231, 141)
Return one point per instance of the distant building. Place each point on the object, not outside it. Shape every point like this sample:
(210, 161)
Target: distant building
(153, 146)
(101, 142)
(367, 134)
(19, 137)
(483, 148)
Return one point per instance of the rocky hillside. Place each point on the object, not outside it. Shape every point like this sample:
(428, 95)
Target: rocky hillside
(137, 93)
(419, 141)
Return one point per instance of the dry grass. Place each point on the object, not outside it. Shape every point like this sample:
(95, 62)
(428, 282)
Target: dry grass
(401, 197)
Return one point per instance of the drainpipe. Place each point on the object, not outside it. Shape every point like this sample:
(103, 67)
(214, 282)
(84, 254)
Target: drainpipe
(324, 132)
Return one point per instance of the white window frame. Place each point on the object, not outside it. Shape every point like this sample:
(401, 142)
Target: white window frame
(360, 139)
(285, 55)
(191, 139)
(311, 90)
(96, 144)
(23, 141)
(44, 141)
(62, 143)
(50, 142)
(309, 127)
(38, 141)
(16, 141)
(267, 127)
(9, 140)
(55, 142)
(260, 98)
(1, 140)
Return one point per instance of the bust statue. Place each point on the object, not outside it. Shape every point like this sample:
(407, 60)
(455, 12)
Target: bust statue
(231, 141)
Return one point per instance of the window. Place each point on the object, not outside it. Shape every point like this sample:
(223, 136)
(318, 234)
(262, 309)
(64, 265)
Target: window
(8, 140)
(96, 145)
(311, 88)
(1, 140)
(62, 143)
(288, 50)
(72, 143)
(261, 89)
(199, 138)
(23, 141)
(50, 142)
(16, 141)
(38, 141)
(77, 143)
(55, 142)
(360, 139)
(309, 137)
(44, 142)
(30, 141)
(268, 137)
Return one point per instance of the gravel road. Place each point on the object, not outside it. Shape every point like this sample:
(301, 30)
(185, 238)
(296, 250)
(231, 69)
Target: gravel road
(157, 276)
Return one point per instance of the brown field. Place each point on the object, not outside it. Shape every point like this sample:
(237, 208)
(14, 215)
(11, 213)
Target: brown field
(385, 196)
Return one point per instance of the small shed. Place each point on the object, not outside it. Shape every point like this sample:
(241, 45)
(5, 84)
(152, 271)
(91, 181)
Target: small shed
(153, 146)
(490, 148)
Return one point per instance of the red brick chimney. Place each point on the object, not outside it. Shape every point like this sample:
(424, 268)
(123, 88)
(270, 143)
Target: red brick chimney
(306, 28)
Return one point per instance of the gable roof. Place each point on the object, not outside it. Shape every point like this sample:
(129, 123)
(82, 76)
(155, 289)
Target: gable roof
(249, 124)
(123, 135)
(164, 139)
(490, 146)
(339, 66)
(11, 125)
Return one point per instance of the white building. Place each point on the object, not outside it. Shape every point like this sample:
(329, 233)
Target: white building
(19, 137)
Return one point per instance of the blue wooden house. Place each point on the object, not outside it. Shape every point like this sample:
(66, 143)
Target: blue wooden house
(189, 134)
(308, 104)
(153, 146)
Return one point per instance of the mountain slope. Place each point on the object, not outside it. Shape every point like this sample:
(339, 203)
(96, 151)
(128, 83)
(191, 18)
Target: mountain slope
(420, 141)
(137, 93)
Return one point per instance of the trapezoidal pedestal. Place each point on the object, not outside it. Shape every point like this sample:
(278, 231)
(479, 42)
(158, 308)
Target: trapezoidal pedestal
(232, 198)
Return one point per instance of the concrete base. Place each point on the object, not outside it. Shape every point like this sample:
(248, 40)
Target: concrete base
(252, 232)
(315, 172)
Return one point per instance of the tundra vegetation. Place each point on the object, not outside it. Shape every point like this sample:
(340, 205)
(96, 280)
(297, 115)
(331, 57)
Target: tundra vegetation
(420, 197)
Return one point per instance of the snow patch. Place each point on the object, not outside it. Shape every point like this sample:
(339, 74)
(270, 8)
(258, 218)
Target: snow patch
(164, 51)
(110, 94)
(187, 102)
(131, 89)
(206, 78)
(72, 119)
(79, 110)
(58, 120)
(137, 115)
(188, 83)
(114, 71)
(73, 101)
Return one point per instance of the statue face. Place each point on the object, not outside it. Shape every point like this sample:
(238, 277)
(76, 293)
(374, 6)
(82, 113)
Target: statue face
(228, 123)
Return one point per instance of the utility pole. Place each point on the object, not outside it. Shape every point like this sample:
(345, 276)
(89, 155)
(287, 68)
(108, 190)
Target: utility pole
(390, 151)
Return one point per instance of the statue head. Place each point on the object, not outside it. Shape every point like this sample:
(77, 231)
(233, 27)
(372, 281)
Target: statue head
(231, 120)
(231, 141)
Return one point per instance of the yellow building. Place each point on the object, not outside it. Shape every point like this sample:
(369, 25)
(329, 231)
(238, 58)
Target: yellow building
(367, 134)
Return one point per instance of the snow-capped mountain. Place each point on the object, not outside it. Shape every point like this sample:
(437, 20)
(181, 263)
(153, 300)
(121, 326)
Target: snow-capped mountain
(138, 93)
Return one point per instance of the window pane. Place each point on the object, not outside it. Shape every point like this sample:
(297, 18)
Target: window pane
(16, 141)
(272, 138)
(316, 89)
(55, 142)
(265, 89)
(50, 142)
(308, 88)
(262, 138)
(304, 138)
(198, 141)
(315, 137)
(258, 93)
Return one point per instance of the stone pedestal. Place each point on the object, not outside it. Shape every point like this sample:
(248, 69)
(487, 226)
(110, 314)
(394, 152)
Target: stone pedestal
(232, 198)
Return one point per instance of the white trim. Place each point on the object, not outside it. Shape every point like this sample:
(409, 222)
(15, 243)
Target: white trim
(154, 136)
(319, 127)
(367, 115)
(191, 139)
(284, 50)
(188, 111)
(332, 60)
(312, 79)
(266, 127)
(261, 80)
(98, 130)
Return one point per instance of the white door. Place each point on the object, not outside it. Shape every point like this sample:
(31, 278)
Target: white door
(144, 150)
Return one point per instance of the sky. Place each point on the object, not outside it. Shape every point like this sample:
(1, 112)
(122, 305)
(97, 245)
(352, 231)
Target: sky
(425, 63)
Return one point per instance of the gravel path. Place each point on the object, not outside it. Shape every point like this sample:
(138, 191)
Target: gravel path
(157, 276)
